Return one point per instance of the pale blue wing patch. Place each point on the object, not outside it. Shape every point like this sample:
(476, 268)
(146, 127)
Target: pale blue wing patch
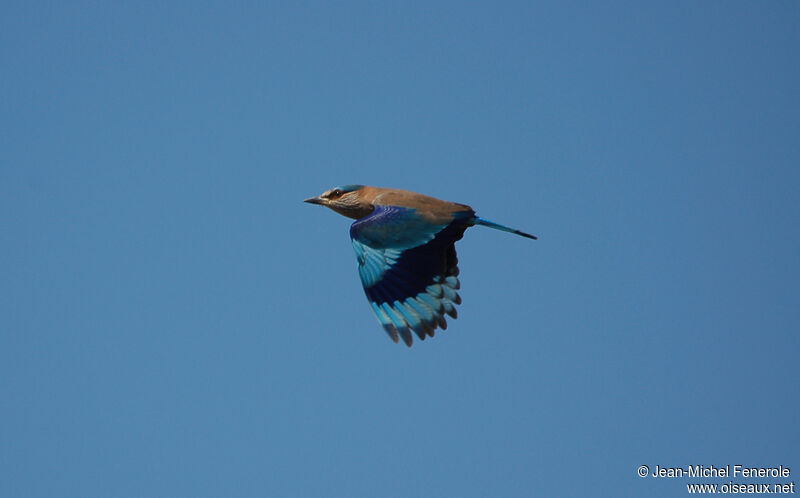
(373, 263)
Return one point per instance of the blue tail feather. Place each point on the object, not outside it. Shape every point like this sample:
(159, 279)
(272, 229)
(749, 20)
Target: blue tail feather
(497, 226)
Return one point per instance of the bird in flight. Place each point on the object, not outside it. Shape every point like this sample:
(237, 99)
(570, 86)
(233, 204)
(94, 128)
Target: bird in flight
(405, 247)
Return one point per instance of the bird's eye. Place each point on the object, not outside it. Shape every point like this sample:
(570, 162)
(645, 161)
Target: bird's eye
(336, 193)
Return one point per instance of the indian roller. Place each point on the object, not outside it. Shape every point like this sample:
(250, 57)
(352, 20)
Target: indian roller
(405, 247)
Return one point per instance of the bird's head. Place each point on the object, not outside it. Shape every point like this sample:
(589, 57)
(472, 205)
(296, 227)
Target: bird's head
(346, 200)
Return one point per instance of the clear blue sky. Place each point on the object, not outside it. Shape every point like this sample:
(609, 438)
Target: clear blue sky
(174, 321)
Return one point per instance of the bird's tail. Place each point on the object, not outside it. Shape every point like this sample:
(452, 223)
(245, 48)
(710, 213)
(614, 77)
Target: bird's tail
(497, 226)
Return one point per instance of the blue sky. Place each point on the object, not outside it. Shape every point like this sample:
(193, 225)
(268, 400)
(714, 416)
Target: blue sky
(174, 321)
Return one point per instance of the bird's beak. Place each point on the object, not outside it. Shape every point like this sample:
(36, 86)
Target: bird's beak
(315, 200)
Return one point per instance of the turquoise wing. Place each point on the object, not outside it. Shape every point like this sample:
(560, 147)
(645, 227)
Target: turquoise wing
(409, 268)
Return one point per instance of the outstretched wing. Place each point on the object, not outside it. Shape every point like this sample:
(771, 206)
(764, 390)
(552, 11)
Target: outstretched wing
(409, 268)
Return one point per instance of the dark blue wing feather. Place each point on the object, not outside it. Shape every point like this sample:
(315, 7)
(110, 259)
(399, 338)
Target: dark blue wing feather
(409, 268)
